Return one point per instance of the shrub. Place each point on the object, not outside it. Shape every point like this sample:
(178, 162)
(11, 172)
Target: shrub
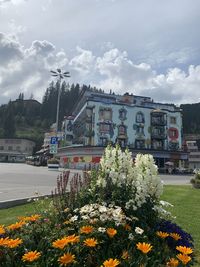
(196, 180)
(53, 161)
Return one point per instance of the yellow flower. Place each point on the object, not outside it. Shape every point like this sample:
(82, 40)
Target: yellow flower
(172, 262)
(125, 255)
(111, 232)
(60, 243)
(175, 236)
(2, 230)
(184, 258)
(184, 250)
(90, 242)
(66, 259)
(31, 256)
(13, 243)
(16, 225)
(111, 263)
(162, 234)
(144, 247)
(86, 229)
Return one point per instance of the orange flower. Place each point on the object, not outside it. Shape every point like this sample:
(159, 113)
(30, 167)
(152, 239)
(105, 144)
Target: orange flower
(111, 263)
(172, 262)
(31, 218)
(31, 256)
(2, 230)
(66, 259)
(125, 255)
(86, 229)
(184, 258)
(111, 232)
(90, 242)
(13, 243)
(3, 241)
(127, 227)
(144, 247)
(72, 238)
(16, 225)
(175, 236)
(162, 234)
(34, 217)
(60, 243)
(184, 250)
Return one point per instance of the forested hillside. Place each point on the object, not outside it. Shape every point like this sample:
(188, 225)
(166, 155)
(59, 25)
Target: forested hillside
(191, 118)
(27, 118)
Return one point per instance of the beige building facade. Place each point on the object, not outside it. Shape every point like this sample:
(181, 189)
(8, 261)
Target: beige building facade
(15, 150)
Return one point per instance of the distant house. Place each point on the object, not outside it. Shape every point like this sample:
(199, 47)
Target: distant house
(15, 149)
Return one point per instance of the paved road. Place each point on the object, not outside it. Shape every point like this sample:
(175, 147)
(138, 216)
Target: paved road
(19, 181)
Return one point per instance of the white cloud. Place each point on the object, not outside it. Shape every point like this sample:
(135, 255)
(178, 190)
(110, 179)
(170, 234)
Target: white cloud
(27, 70)
(83, 62)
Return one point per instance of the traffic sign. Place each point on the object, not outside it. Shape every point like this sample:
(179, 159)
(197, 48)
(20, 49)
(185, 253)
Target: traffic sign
(53, 148)
(54, 140)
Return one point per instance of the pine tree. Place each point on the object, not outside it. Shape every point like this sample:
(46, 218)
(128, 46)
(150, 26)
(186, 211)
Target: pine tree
(9, 122)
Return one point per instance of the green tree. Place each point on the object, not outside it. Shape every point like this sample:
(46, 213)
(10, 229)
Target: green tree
(9, 122)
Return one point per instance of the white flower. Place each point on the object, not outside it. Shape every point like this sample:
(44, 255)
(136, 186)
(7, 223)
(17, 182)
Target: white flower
(165, 203)
(131, 236)
(74, 218)
(101, 229)
(139, 231)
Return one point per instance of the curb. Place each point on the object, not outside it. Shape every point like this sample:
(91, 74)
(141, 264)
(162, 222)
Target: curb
(17, 202)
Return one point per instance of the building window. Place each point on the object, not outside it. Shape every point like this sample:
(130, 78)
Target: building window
(122, 130)
(104, 127)
(18, 148)
(140, 117)
(1, 147)
(105, 114)
(122, 114)
(157, 144)
(139, 144)
(140, 130)
(173, 120)
(10, 148)
(103, 141)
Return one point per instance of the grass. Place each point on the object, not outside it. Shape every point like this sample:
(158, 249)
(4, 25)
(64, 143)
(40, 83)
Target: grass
(184, 198)
(8, 216)
(186, 210)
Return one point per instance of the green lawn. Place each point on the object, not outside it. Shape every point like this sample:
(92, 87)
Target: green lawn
(185, 199)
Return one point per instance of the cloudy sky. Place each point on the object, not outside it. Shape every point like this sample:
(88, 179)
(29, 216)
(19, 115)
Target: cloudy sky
(145, 47)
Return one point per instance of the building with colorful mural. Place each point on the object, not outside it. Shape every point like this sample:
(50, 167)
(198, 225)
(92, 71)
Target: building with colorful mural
(136, 122)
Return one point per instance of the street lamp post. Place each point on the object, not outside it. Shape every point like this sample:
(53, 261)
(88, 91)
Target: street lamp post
(60, 75)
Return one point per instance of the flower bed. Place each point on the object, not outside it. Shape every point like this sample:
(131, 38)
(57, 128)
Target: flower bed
(113, 217)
